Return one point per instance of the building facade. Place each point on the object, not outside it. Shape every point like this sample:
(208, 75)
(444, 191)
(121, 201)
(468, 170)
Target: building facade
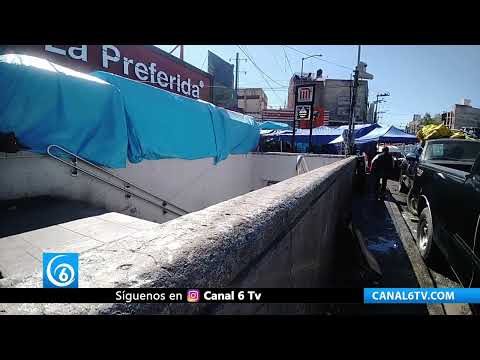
(333, 97)
(252, 101)
(463, 116)
(414, 125)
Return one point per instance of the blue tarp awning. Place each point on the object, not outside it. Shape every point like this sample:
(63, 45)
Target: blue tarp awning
(273, 125)
(108, 119)
(320, 135)
(162, 124)
(387, 135)
(44, 103)
(360, 130)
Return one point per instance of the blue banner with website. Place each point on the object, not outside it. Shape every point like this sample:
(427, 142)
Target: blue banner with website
(421, 295)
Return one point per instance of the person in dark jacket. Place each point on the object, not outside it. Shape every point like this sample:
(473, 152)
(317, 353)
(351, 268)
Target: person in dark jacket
(382, 167)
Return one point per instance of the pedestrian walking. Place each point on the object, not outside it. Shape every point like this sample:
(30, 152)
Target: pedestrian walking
(382, 167)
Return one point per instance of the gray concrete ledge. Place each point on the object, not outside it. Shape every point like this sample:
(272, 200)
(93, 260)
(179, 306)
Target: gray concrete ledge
(278, 236)
(296, 154)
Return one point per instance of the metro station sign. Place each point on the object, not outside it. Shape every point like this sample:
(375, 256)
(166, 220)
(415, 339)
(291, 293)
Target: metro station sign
(303, 112)
(305, 94)
(304, 101)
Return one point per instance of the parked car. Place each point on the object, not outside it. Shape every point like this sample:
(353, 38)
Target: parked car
(446, 197)
(408, 167)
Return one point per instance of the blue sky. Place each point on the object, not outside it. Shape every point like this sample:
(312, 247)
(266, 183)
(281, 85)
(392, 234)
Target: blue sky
(419, 78)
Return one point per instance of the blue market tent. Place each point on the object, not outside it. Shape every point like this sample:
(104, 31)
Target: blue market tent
(273, 125)
(108, 119)
(320, 135)
(359, 131)
(387, 135)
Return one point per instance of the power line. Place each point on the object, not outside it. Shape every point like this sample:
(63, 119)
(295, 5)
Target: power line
(276, 60)
(327, 61)
(258, 68)
(288, 61)
(204, 61)
(261, 72)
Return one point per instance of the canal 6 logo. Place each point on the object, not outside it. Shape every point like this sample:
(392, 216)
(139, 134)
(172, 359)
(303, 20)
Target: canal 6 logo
(60, 270)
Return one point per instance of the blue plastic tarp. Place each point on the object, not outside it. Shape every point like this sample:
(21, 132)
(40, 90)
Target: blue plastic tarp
(359, 131)
(320, 135)
(273, 125)
(44, 103)
(108, 119)
(387, 135)
(165, 125)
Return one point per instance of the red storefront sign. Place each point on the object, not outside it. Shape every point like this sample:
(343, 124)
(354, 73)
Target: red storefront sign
(278, 114)
(320, 116)
(145, 63)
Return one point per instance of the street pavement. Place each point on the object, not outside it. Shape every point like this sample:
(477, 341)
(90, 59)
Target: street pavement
(440, 273)
(388, 231)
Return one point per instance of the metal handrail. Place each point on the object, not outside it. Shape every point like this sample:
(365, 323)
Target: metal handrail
(301, 161)
(164, 202)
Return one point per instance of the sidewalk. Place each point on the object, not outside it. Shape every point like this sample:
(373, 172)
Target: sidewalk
(386, 237)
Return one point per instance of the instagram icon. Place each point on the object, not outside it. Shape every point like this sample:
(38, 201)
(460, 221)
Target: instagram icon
(193, 296)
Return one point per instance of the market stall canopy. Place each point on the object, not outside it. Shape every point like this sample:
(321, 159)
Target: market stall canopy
(43, 103)
(108, 119)
(273, 125)
(359, 131)
(165, 125)
(387, 135)
(320, 135)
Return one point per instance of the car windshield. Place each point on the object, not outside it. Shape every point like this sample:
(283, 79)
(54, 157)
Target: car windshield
(453, 150)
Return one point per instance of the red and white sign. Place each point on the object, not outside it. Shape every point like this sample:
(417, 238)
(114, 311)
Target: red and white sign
(144, 63)
(305, 94)
(303, 112)
(278, 114)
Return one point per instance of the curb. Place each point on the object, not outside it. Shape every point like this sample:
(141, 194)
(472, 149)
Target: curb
(421, 271)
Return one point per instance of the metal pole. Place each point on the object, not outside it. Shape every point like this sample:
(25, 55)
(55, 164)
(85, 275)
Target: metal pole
(294, 119)
(311, 129)
(356, 92)
(236, 81)
(351, 127)
(301, 73)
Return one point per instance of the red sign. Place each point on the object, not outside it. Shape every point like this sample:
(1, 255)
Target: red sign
(145, 63)
(278, 114)
(320, 117)
(305, 94)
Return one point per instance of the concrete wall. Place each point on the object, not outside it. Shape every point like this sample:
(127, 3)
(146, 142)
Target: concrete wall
(190, 184)
(276, 167)
(278, 236)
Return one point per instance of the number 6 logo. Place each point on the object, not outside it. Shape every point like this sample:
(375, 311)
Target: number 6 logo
(64, 273)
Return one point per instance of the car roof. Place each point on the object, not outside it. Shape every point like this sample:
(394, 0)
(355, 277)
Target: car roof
(449, 139)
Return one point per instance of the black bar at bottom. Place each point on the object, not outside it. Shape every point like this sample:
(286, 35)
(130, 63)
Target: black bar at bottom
(169, 295)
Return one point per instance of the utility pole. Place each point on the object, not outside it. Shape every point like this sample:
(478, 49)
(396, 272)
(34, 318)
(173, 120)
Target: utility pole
(377, 102)
(376, 108)
(351, 125)
(236, 81)
(237, 61)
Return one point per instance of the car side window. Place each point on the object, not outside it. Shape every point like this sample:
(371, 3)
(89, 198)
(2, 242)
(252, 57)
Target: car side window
(476, 166)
